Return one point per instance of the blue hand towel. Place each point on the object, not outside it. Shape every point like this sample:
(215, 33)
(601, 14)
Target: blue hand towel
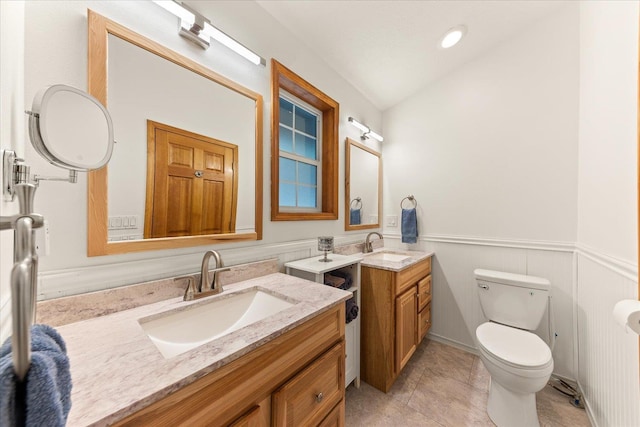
(354, 217)
(409, 226)
(47, 383)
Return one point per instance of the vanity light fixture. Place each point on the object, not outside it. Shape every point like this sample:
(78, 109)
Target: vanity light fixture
(198, 29)
(452, 37)
(367, 132)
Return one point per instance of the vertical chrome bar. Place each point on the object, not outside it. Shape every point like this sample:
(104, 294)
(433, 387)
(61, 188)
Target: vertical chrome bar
(22, 289)
(26, 193)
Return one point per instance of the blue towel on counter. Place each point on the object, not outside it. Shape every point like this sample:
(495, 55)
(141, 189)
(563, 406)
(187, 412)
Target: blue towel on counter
(47, 384)
(409, 226)
(354, 217)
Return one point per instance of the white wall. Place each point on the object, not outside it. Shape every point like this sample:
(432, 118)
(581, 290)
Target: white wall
(11, 133)
(491, 149)
(56, 51)
(607, 214)
(491, 154)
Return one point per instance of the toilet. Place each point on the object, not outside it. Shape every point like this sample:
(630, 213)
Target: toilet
(519, 362)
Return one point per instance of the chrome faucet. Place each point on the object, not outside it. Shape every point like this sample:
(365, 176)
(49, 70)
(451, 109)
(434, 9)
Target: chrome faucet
(206, 286)
(368, 247)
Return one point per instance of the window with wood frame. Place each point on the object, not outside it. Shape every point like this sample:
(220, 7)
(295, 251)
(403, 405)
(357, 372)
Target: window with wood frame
(304, 149)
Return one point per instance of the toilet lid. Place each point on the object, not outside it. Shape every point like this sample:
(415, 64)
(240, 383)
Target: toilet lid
(513, 346)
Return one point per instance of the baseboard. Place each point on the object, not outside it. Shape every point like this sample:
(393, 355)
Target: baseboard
(453, 343)
(587, 407)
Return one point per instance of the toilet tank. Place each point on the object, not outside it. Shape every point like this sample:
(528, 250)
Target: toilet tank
(512, 299)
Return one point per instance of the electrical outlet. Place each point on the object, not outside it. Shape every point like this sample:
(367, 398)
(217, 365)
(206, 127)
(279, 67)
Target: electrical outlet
(392, 220)
(42, 239)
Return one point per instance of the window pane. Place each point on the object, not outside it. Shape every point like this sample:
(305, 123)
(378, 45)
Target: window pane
(286, 112)
(306, 197)
(305, 146)
(287, 169)
(286, 139)
(305, 121)
(307, 173)
(287, 195)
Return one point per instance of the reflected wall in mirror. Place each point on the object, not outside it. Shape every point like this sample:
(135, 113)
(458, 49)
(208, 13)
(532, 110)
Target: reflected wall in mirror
(206, 129)
(363, 192)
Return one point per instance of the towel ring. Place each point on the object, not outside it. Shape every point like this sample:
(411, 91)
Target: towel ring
(411, 199)
(356, 201)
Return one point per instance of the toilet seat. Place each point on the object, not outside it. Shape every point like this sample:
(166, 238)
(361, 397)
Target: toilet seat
(514, 347)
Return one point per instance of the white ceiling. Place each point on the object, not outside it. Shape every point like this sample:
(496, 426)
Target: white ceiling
(388, 49)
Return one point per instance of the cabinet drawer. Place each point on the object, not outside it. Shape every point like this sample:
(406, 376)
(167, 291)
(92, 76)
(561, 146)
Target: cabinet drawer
(252, 418)
(424, 321)
(308, 397)
(335, 417)
(411, 275)
(424, 292)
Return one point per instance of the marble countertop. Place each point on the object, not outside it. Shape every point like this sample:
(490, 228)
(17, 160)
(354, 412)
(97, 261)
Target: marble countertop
(117, 370)
(414, 257)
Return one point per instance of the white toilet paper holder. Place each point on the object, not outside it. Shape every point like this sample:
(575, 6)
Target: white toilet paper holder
(627, 314)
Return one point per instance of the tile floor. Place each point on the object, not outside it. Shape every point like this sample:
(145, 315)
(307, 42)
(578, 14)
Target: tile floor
(445, 386)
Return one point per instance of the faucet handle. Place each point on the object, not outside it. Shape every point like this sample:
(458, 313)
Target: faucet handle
(190, 292)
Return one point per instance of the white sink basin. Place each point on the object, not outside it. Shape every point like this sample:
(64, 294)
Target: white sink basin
(184, 330)
(386, 256)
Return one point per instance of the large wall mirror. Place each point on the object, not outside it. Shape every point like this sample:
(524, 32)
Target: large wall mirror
(187, 166)
(363, 192)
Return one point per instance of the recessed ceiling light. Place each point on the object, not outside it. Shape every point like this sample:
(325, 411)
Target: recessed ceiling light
(452, 37)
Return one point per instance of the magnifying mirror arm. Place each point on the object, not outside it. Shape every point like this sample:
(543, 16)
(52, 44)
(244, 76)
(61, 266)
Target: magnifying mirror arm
(72, 178)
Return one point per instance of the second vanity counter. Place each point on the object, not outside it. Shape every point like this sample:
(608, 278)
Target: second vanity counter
(374, 260)
(117, 370)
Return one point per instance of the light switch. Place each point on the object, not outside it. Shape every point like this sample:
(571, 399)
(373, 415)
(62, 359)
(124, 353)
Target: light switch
(125, 222)
(132, 221)
(392, 220)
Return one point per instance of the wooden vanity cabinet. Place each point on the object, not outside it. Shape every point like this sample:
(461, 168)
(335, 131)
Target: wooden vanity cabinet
(296, 379)
(396, 317)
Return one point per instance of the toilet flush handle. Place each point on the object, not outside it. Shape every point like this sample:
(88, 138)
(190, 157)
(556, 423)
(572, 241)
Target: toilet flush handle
(483, 286)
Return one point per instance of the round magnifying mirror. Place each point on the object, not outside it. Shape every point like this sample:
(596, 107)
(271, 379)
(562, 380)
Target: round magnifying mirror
(70, 128)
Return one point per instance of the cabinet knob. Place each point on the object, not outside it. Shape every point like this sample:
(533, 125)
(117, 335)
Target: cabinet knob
(319, 397)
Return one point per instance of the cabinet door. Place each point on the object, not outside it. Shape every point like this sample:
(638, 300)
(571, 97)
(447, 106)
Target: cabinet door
(406, 327)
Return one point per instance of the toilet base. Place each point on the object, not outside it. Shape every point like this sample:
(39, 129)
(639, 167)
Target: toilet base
(506, 408)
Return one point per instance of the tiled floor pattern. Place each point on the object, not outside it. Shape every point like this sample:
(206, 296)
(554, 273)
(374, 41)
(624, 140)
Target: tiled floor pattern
(444, 386)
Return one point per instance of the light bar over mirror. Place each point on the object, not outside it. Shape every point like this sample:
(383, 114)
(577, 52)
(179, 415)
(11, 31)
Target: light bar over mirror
(198, 29)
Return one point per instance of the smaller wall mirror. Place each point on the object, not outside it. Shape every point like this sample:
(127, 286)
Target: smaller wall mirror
(363, 192)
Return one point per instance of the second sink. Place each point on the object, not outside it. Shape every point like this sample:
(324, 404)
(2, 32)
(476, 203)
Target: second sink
(387, 256)
(183, 330)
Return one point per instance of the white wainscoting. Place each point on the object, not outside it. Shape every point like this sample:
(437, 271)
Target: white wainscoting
(607, 355)
(456, 311)
(59, 283)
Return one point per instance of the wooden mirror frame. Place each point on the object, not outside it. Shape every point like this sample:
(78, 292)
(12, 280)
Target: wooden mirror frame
(97, 209)
(347, 182)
